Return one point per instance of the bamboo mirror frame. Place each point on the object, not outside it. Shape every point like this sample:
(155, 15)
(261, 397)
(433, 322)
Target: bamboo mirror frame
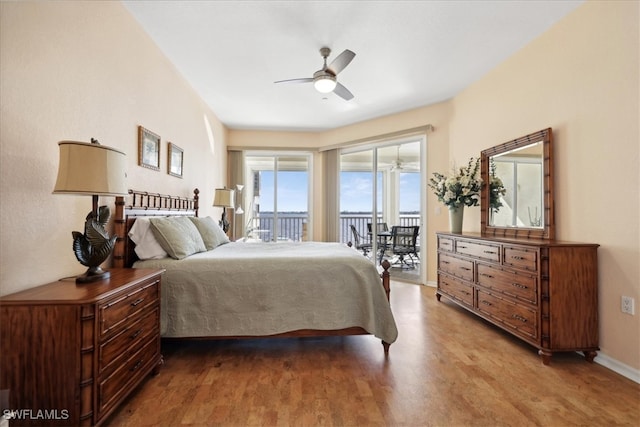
(547, 228)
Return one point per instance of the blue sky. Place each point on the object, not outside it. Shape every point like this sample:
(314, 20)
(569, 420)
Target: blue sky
(355, 190)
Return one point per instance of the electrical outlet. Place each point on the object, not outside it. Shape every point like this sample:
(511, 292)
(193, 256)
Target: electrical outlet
(627, 305)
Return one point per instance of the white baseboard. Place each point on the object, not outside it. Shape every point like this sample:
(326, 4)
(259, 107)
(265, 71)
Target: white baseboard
(618, 367)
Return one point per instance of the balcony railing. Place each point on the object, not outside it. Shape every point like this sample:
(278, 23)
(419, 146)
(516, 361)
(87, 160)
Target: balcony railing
(361, 221)
(293, 226)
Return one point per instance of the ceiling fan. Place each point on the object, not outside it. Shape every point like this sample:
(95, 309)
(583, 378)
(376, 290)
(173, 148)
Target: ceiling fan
(325, 80)
(399, 165)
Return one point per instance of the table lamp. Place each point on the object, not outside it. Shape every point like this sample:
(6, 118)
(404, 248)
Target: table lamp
(94, 170)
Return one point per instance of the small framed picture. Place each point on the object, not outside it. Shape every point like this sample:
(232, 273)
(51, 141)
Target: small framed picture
(148, 149)
(176, 159)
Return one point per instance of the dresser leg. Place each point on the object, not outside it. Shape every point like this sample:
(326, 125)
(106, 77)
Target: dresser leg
(438, 296)
(156, 369)
(590, 355)
(386, 345)
(546, 356)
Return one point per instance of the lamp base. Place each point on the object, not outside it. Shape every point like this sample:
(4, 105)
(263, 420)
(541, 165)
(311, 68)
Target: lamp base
(93, 274)
(224, 223)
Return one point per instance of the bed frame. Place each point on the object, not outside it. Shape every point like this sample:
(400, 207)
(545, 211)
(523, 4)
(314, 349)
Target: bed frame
(143, 203)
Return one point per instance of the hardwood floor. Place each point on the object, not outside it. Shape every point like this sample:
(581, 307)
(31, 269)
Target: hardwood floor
(448, 368)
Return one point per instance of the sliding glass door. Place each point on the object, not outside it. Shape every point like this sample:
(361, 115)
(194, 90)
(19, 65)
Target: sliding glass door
(278, 196)
(386, 179)
(357, 187)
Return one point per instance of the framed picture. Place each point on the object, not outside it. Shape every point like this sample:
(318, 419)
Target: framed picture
(176, 158)
(148, 149)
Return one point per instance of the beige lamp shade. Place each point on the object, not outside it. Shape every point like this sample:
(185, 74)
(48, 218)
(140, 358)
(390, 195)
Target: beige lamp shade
(224, 197)
(91, 169)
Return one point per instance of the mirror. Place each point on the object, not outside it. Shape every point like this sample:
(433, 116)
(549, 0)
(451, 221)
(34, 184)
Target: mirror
(517, 195)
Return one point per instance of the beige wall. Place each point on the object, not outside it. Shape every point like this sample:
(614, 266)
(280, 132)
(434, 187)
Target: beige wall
(70, 72)
(74, 71)
(581, 79)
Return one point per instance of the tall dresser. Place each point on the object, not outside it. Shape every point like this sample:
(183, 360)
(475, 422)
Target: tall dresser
(70, 353)
(542, 291)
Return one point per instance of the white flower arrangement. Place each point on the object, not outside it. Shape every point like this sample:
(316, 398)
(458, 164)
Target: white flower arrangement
(460, 189)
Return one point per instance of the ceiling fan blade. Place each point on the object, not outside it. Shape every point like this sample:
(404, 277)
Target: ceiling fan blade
(341, 61)
(343, 92)
(304, 80)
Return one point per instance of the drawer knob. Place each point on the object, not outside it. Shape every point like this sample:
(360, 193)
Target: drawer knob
(486, 302)
(486, 275)
(136, 366)
(516, 257)
(136, 302)
(136, 333)
(490, 252)
(465, 268)
(518, 285)
(462, 247)
(520, 318)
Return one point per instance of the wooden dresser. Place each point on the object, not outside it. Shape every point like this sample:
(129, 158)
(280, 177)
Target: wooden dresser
(542, 291)
(72, 352)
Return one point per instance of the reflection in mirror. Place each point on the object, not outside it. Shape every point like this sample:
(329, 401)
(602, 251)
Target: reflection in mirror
(517, 195)
(519, 203)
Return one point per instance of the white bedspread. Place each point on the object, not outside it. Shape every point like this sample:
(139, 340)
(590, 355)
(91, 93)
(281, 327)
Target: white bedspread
(258, 289)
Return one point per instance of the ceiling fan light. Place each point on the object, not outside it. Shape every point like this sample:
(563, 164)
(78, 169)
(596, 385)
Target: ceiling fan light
(324, 84)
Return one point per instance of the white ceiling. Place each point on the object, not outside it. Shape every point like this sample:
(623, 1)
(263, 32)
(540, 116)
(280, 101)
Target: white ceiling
(408, 53)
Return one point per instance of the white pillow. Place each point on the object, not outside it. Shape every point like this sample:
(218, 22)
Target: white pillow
(178, 236)
(212, 235)
(147, 247)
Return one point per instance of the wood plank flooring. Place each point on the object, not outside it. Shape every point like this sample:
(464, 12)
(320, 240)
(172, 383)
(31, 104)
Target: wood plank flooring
(448, 368)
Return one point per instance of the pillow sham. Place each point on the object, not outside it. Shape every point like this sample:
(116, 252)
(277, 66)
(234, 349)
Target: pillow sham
(147, 247)
(211, 233)
(178, 236)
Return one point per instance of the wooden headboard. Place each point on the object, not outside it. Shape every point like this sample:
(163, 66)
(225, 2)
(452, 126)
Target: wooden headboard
(144, 203)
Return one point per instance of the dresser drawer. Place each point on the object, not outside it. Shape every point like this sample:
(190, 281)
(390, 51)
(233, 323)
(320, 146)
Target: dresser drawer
(114, 386)
(128, 341)
(117, 311)
(490, 252)
(457, 266)
(456, 289)
(517, 285)
(445, 244)
(519, 257)
(515, 317)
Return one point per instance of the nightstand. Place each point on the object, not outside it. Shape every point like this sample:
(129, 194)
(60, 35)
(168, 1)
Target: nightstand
(70, 353)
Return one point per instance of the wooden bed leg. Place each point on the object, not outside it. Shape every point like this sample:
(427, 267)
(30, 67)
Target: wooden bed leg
(386, 284)
(386, 280)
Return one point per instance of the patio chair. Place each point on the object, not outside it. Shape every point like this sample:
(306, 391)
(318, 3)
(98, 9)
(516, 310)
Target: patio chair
(384, 235)
(403, 244)
(381, 227)
(359, 242)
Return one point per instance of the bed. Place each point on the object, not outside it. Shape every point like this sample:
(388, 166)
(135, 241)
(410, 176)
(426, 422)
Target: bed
(242, 289)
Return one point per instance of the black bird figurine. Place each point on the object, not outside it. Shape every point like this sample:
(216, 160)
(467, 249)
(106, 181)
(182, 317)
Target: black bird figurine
(94, 246)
